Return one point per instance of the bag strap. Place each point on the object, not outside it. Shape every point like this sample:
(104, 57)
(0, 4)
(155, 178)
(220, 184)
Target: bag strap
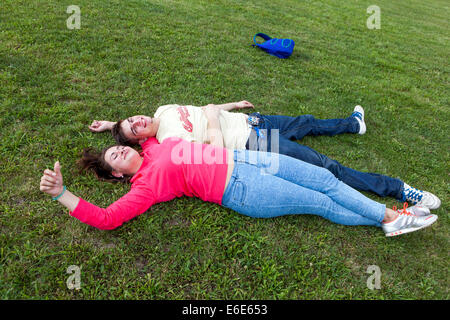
(262, 35)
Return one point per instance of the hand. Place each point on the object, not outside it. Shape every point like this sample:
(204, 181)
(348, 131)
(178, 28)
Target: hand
(100, 126)
(52, 181)
(243, 104)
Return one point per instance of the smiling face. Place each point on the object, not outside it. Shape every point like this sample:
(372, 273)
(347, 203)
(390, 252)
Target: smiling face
(140, 127)
(123, 160)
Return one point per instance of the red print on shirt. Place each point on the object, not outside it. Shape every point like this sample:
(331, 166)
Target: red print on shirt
(184, 114)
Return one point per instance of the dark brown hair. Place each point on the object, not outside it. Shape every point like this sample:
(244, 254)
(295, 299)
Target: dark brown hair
(94, 161)
(119, 136)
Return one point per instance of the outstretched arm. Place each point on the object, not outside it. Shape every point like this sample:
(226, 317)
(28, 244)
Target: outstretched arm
(101, 125)
(234, 105)
(134, 203)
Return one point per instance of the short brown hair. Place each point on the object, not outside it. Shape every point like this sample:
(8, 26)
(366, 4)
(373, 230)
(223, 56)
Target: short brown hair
(119, 136)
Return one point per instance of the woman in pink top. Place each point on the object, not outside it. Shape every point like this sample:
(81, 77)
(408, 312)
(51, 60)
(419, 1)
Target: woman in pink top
(257, 184)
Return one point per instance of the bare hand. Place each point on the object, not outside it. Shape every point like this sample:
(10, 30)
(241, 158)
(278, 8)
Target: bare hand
(100, 126)
(244, 104)
(52, 181)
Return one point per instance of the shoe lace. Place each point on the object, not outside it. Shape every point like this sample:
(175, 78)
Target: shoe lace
(414, 195)
(357, 114)
(403, 211)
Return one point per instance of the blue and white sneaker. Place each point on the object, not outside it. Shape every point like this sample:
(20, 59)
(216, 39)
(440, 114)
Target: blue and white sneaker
(358, 114)
(420, 198)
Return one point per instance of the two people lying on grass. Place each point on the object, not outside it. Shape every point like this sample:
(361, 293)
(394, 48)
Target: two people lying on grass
(253, 183)
(214, 124)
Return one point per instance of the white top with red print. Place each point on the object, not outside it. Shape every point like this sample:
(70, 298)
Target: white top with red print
(190, 123)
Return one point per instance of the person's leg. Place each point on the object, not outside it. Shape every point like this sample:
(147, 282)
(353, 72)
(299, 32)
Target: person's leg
(266, 196)
(381, 185)
(298, 127)
(314, 178)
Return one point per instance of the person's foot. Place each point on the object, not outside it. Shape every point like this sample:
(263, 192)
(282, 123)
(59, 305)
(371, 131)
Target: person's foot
(420, 198)
(407, 222)
(358, 114)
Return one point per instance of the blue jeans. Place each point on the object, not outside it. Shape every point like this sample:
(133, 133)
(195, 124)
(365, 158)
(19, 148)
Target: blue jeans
(266, 185)
(295, 128)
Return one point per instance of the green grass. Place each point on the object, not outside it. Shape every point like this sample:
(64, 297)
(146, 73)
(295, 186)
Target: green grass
(129, 57)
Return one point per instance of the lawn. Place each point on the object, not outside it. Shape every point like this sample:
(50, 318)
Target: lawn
(129, 57)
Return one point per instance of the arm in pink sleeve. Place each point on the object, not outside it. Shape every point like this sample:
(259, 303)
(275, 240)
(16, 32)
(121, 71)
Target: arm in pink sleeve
(132, 204)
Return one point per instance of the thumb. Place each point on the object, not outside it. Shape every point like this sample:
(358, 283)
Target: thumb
(57, 168)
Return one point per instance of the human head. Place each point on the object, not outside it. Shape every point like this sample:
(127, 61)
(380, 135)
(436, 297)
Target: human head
(135, 129)
(114, 164)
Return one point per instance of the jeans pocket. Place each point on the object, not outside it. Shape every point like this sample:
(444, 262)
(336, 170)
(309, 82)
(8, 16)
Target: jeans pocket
(239, 193)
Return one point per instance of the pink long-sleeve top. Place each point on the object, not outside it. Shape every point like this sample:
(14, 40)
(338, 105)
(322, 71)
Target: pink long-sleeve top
(171, 169)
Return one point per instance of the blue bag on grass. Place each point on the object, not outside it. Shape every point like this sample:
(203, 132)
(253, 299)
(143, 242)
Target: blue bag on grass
(281, 48)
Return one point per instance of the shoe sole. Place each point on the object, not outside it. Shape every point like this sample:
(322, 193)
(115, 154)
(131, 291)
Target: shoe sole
(408, 230)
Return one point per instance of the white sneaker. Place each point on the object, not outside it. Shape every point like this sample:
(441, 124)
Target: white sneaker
(358, 114)
(407, 222)
(421, 198)
(419, 211)
(429, 200)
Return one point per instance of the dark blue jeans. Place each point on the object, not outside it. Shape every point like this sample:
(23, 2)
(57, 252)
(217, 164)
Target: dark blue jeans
(295, 128)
